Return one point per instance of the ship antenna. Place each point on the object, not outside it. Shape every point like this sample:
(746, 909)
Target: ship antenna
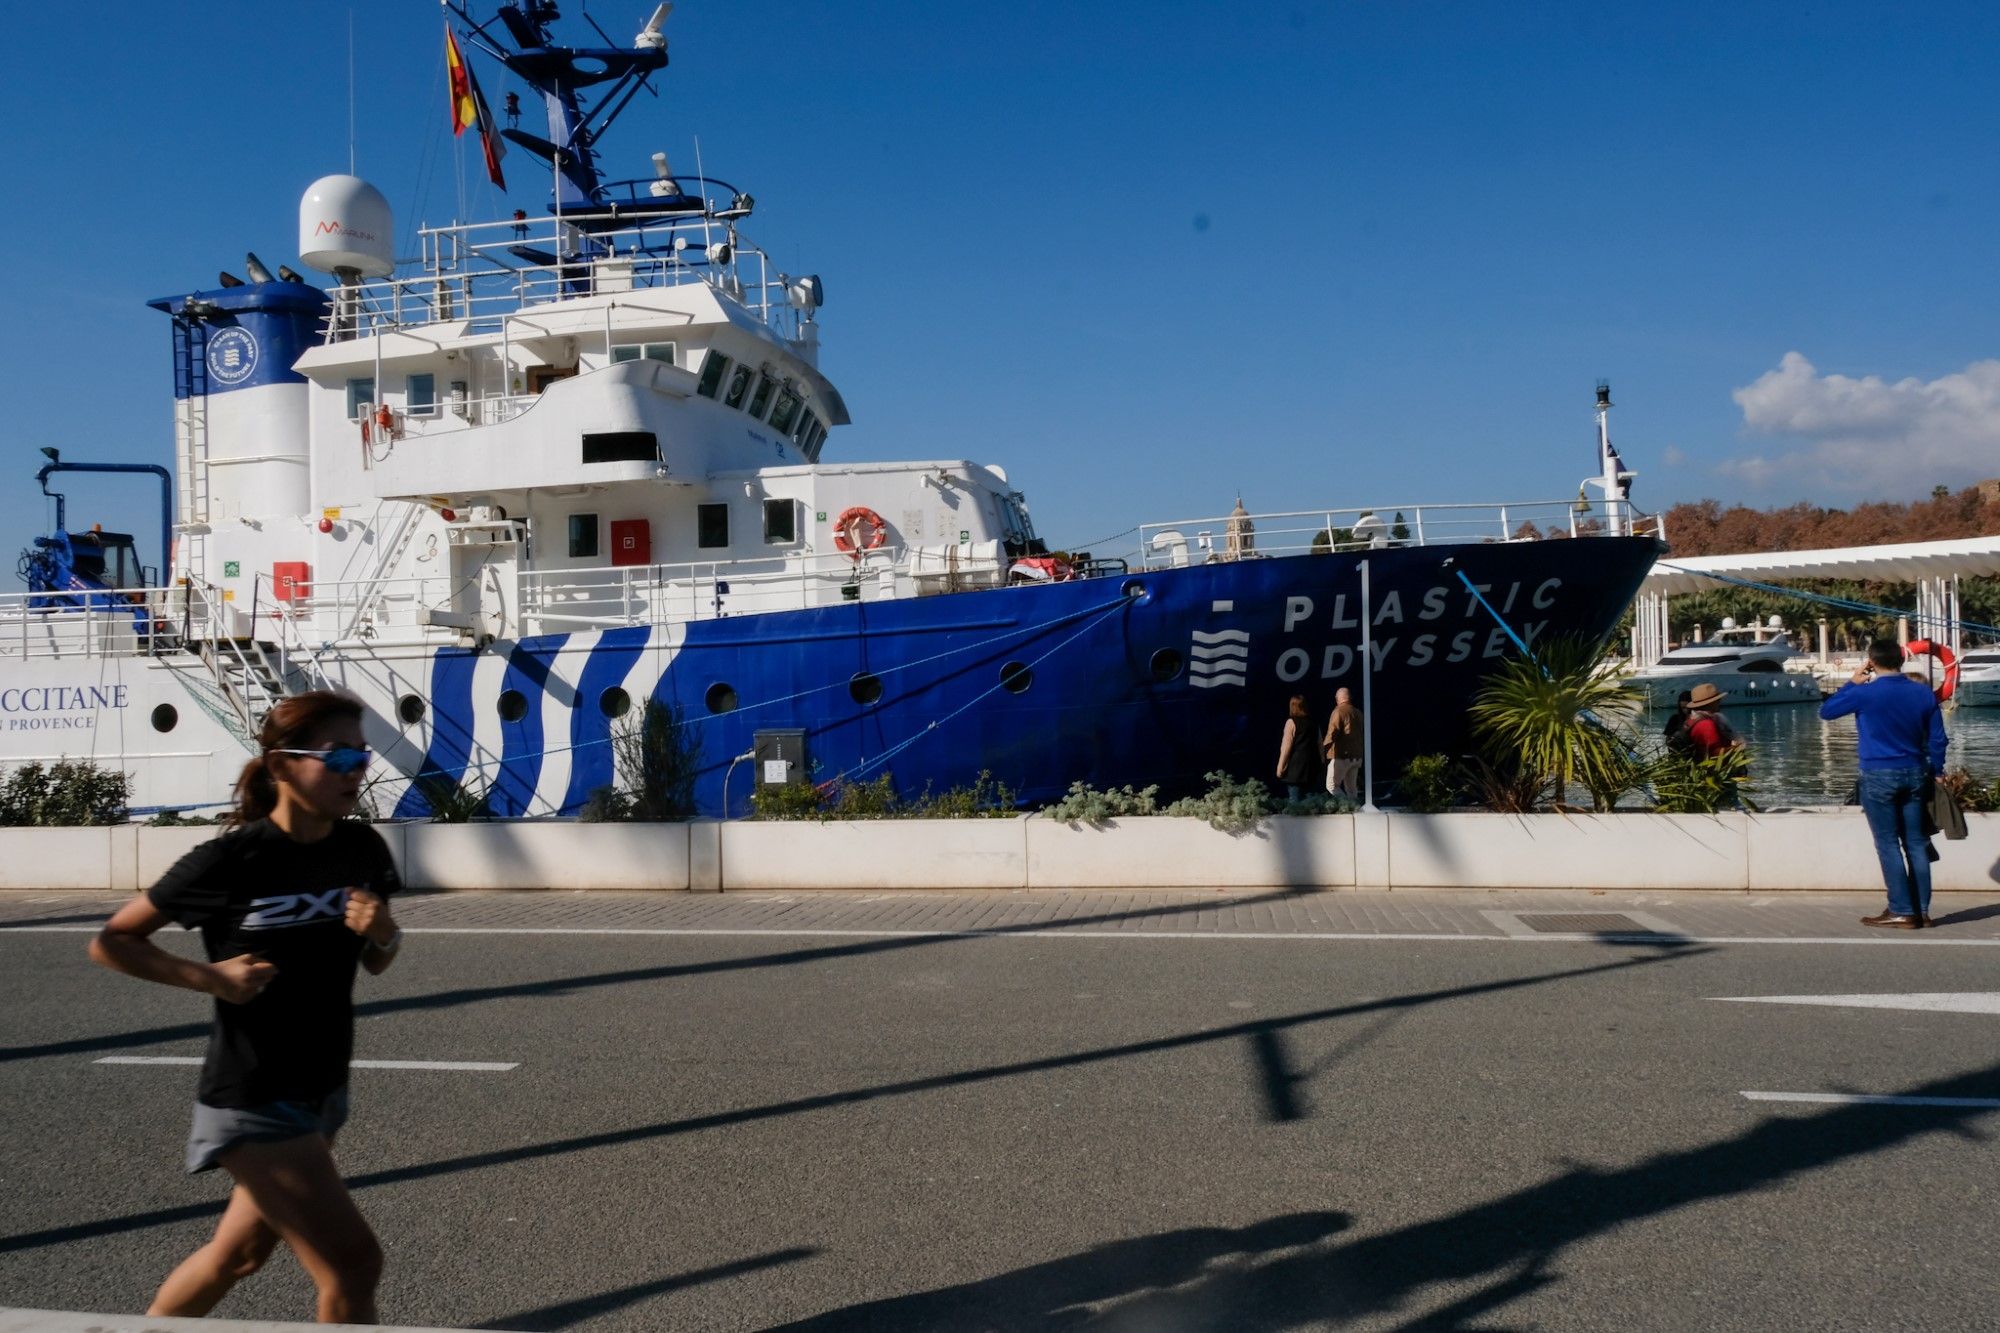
(350, 90)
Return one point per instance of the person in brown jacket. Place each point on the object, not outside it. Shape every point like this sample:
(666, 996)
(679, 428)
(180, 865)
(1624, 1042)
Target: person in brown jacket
(1342, 747)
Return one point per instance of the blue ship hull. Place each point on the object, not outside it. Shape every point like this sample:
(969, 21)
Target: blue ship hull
(1153, 678)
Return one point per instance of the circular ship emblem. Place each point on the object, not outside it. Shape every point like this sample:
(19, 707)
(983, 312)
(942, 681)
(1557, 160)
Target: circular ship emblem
(232, 356)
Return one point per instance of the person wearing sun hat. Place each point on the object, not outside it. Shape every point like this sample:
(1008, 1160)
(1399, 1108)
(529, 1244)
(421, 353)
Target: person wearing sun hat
(1708, 734)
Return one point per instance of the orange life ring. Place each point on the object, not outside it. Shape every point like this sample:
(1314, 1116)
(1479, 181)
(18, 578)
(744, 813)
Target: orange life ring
(849, 528)
(1943, 653)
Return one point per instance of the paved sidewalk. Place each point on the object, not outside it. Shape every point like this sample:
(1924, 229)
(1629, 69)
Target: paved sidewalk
(1518, 915)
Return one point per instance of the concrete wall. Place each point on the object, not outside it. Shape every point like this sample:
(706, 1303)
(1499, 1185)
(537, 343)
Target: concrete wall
(1825, 850)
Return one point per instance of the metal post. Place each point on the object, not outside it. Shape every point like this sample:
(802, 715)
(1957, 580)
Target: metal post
(1367, 700)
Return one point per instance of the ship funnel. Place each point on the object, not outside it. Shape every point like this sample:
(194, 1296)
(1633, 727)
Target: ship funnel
(345, 225)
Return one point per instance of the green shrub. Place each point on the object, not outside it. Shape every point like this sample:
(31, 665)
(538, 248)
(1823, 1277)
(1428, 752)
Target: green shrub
(450, 802)
(1430, 784)
(657, 756)
(1228, 805)
(1687, 785)
(800, 800)
(1556, 724)
(1085, 804)
(177, 819)
(984, 799)
(69, 793)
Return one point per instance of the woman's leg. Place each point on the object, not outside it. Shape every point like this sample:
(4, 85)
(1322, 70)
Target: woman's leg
(241, 1244)
(298, 1191)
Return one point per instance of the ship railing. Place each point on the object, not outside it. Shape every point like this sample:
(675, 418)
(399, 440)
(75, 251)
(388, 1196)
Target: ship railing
(476, 275)
(377, 610)
(554, 600)
(134, 622)
(1298, 532)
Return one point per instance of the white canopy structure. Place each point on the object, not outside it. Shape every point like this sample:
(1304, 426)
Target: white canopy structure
(1935, 567)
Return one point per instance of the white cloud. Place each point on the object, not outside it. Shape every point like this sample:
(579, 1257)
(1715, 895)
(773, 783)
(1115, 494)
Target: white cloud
(1869, 435)
(1673, 456)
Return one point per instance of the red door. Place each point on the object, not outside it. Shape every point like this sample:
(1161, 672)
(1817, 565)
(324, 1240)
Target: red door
(631, 541)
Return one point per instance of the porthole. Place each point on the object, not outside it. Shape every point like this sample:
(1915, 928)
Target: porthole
(865, 688)
(166, 717)
(411, 709)
(1016, 677)
(1166, 664)
(614, 702)
(721, 698)
(513, 706)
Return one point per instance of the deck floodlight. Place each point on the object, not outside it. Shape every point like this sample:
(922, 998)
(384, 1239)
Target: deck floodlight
(719, 253)
(53, 454)
(255, 268)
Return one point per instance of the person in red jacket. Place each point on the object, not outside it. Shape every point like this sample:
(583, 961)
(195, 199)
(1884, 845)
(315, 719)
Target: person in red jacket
(1708, 733)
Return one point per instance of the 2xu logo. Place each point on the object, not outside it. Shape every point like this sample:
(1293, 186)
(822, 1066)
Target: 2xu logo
(295, 909)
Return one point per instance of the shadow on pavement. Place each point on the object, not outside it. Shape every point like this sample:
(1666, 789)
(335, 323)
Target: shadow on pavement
(565, 1313)
(1503, 1248)
(856, 1096)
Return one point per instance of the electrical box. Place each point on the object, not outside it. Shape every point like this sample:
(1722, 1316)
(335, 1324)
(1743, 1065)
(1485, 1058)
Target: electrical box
(291, 580)
(780, 756)
(631, 541)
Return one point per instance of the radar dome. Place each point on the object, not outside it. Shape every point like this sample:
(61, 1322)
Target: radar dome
(345, 225)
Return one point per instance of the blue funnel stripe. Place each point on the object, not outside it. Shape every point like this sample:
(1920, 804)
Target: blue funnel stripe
(451, 727)
(590, 760)
(529, 673)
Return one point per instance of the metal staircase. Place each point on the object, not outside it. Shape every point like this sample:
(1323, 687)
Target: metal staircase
(360, 624)
(240, 678)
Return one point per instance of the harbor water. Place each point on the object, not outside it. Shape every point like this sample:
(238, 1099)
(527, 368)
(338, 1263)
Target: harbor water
(1798, 760)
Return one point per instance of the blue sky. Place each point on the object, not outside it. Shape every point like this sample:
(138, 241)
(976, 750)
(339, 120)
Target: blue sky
(1145, 256)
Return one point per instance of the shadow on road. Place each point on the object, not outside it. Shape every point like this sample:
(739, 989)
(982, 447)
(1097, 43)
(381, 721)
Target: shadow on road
(1503, 1248)
(1263, 1030)
(565, 1313)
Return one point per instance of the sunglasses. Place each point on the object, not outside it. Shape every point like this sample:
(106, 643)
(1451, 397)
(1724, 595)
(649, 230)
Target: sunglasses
(339, 759)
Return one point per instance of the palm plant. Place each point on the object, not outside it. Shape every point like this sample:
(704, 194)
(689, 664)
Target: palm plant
(1555, 722)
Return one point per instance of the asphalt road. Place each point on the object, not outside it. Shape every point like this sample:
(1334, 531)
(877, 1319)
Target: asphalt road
(1200, 1127)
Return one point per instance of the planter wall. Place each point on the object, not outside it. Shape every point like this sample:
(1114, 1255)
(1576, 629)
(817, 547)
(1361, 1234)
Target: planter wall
(1813, 850)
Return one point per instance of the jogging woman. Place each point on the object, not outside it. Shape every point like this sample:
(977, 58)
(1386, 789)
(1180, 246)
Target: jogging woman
(287, 902)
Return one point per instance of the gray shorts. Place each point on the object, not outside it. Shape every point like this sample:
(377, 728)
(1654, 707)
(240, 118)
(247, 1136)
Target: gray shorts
(220, 1128)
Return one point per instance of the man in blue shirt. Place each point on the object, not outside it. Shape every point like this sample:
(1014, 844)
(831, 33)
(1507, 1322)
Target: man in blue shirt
(1902, 748)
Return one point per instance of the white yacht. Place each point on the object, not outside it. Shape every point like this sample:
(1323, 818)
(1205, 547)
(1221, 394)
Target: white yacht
(1747, 663)
(1979, 677)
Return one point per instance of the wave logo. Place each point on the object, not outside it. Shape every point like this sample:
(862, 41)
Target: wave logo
(1218, 659)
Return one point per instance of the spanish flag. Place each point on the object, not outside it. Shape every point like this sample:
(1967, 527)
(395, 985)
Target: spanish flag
(468, 108)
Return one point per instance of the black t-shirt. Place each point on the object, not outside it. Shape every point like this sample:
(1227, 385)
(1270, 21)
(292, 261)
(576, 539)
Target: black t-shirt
(254, 890)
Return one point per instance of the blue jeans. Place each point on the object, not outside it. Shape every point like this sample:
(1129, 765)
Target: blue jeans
(1893, 800)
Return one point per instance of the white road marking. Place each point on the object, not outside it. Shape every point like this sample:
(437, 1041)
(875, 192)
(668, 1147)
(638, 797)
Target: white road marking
(1867, 1099)
(1937, 1002)
(467, 1066)
(1055, 930)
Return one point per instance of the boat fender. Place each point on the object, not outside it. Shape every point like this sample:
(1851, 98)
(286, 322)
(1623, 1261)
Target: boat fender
(1943, 653)
(859, 529)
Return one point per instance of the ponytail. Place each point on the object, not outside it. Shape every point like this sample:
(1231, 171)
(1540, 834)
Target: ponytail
(292, 724)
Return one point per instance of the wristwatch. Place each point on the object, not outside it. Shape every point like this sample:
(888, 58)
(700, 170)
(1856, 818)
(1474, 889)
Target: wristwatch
(395, 943)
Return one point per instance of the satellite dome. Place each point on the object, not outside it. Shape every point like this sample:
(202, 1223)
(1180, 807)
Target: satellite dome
(345, 226)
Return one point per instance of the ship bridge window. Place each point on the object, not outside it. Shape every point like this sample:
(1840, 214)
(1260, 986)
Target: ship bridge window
(420, 395)
(621, 446)
(739, 385)
(781, 522)
(711, 526)
(762, 398)
(807, 424)
(582, 536)
(786, 412)
(360, 397)
(1762, 664)
(644, 351)
(713, 366)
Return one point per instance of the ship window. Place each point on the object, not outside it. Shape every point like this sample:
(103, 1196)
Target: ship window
(1166, 664)
(804, 428)
(420, 395)
(513, 705)
(621, 446)
(711, 526)
(648, 351)
(582, 536)
(1016, 677)
(713, 367)
(739, 385)
(781, 522)
(721, 698)
(786, 412)
(165, 718)
(865, 688)
(810, 448)
(762, 398)
(360, 394)
(411, 709)
(1762, 664)
(622, 354)
(614, 702)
